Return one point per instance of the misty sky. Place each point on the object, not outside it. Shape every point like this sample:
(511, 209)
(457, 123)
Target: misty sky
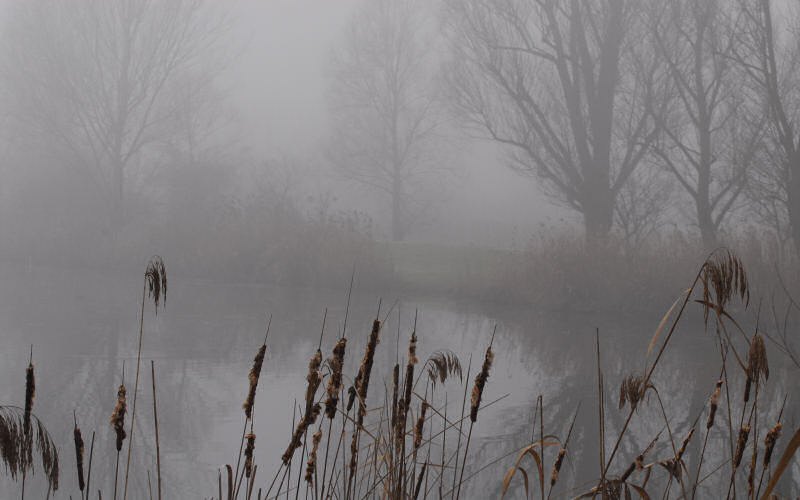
(277, 87)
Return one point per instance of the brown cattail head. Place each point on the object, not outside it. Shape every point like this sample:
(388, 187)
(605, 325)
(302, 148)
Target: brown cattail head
(682, 449)
(30, 392)
(412, 349)
(314, 379)
(336, 362)
(311, 465)
(713, 404)
(751, 473)
(118, 417)
(420, 424)
(769, 442)
(480, 383)
(741, 442)
(557, 466)
(365, 369)
(76, 433)
(297, 437)
(248, 453)
(253, 376)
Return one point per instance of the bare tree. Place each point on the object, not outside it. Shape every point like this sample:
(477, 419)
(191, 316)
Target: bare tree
(386, 133)
(563, 84)
(93, 81)
(770, 56)
(709, 142)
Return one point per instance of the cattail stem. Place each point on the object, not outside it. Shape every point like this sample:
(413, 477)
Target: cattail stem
(135, 391)
(155, 421)
(89, 473)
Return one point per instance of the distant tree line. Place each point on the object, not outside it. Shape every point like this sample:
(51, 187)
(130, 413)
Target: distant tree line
(630, 113)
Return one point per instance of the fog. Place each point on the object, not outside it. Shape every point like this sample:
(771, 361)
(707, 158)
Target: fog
(574, 217)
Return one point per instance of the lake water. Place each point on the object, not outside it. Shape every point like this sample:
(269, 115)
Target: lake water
(83, 324)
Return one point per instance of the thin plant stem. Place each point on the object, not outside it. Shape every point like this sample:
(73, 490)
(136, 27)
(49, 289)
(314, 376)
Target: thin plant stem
(135, 390)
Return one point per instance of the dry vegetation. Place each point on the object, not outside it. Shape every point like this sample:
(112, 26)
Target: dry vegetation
(348, 442)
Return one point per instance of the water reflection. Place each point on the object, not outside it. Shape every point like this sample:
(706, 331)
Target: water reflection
(83, 325)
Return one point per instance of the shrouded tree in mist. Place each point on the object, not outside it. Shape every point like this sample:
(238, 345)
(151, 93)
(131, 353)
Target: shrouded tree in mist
(94, 82)
(563, 85)
(709, 140)
(385, 129)
(769, 54)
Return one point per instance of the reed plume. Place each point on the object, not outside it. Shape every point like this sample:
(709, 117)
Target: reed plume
(253, 376)
(757, 364)
(16, 456)
(336, 363)
(441, 365)
(632, 391)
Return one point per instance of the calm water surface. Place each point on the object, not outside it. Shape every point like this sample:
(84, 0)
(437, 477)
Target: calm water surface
(83, 325)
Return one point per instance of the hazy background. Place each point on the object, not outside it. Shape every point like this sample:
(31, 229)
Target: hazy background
(254, 145)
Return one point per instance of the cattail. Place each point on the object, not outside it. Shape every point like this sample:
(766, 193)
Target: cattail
(682, 449)
(312, 409)
(253, 376)
(480, 382)
(364, 371)
(769, 442)
(420, 425)
(248, 453)
(118, 417)
(76, 432)
(404, 402)
(713, 403)
(30, 392)
(297, 437)
(336, 362)
(311, 465)
(744, 433)
(557, 466)
(395, 382)
(313, 378)
(751, 474)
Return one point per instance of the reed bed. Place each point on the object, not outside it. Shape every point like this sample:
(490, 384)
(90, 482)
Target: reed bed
(350, 440)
